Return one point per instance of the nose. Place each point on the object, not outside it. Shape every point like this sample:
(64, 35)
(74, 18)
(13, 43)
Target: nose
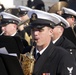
(36, 33)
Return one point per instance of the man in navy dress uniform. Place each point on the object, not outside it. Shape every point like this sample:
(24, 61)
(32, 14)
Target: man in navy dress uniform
(59, 39)
(53, 60)
(9, 26)
(70, 16)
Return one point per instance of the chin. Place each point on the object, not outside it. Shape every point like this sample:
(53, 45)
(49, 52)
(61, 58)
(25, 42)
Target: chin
(39, 44)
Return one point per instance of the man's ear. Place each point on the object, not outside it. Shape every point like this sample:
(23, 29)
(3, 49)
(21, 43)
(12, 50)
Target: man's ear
(51, 32)
(73, 18)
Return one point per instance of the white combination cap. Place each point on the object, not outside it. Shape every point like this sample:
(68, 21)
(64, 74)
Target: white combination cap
(63, 22)
(6, 18)
(69, 11)
(24, 8)
(39, 17)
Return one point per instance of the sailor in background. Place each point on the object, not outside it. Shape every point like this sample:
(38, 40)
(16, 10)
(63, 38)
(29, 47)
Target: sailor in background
(24, 27)
(59, 39)
(70, 16)
(9, 25)
(9, 64)
(23, 10)
(62, 9)
(53, 60)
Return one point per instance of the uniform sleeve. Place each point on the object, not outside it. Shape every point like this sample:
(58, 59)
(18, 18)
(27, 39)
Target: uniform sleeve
(67, 65)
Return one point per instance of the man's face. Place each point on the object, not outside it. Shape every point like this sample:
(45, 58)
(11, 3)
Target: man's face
(71, 21)
(9, 29)
(42, 36)
(57, 32)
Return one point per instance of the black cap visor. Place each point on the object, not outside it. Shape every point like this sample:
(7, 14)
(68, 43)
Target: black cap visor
(40, 23)
(68, 16)
(4, 22)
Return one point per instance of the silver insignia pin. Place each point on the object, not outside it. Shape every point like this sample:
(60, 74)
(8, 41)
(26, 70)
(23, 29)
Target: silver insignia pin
(70, 69)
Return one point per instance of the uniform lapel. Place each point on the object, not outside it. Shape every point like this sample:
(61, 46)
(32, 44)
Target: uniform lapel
(59, 41)
(43, 58)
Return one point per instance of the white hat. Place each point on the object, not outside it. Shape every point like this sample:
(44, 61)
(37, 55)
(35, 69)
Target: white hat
(63, 21)
(39, 17)
(24, 8)
(69, 11)
(6, 18)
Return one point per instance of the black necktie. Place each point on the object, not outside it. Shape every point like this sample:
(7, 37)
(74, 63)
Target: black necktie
(37, 56)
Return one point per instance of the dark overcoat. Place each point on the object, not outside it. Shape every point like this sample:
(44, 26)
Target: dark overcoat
(69, 34)
(54, 60)
(66, 44)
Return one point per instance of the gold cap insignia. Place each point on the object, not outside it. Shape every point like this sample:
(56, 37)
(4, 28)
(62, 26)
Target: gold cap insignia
(61, 24)
(72, 16)
(34, 16)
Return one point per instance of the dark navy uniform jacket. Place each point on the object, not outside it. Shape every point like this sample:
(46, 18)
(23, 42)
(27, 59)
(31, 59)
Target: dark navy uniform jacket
(9, 65)
(56, 61)
(25, 43)
(68, 33)
(66, 44)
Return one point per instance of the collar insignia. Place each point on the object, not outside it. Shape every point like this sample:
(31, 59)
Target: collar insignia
(70, 69)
